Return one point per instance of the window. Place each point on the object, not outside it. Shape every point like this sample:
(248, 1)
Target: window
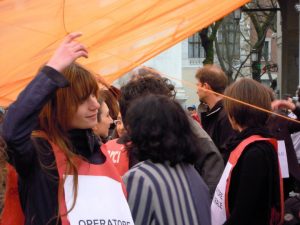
(195, 49)
(229, 38)
(267, 50)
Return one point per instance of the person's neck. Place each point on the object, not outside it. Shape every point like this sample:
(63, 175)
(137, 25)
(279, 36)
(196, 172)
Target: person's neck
(212, 100)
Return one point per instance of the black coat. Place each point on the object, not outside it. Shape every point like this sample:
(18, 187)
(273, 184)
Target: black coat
(216, 123)
(254, 186)
(282, 129)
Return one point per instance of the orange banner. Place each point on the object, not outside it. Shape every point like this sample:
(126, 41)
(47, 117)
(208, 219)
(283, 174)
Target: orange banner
(119, 34)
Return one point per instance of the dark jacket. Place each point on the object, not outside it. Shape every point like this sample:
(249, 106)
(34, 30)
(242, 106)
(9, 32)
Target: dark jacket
(210, 164)
(254, 187)
(33, 158)
(216, 123)
(282, 129)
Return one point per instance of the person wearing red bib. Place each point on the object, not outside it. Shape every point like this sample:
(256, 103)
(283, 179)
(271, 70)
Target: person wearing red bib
(63, 176)
(116, 148)
(250, 190)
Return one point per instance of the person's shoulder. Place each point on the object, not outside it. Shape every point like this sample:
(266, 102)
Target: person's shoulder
(149, 171)
(259, 150)
(198, 130)
(144, 173)
(136, 171)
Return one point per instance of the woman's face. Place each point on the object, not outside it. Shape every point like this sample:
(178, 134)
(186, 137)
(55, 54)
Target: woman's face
(86, 114)
(102, 127)
(120, 126)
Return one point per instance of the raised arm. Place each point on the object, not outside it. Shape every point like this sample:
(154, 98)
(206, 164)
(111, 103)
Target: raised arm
(22, 115)
(295, 108)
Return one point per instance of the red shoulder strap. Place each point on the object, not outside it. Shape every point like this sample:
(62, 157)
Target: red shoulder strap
(240, 148)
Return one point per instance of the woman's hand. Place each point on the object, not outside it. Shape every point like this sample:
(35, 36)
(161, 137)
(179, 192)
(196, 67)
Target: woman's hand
(283, 104)
(68, 51)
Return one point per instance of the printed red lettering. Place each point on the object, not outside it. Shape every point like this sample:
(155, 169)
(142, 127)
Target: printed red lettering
(115, 156)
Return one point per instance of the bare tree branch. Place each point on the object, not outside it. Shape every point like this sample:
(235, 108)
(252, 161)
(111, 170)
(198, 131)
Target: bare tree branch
(241, 66)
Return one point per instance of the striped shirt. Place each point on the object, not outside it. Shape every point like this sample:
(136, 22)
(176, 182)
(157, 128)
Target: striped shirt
(159, 194)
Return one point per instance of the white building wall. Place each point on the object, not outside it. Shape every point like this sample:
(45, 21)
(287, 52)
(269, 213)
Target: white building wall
(169, 63)
(189, 68)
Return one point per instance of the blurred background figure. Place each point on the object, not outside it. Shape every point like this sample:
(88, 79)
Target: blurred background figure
(116, 148)
(104, 121)
(193, 113)
(110, 97)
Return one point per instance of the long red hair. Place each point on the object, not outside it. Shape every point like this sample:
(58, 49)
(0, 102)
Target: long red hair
(56, 115)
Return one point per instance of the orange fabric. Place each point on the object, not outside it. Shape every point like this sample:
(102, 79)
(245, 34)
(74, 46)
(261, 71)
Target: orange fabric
(120, 34)
(233, 159)
(118, 155)
(12, 213)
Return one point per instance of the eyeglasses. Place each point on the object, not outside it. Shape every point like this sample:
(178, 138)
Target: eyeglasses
(118, 122)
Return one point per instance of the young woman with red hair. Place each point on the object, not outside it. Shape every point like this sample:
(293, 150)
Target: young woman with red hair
(63, 177)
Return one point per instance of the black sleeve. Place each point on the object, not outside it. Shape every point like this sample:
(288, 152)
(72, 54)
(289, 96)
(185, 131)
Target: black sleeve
(22, 117)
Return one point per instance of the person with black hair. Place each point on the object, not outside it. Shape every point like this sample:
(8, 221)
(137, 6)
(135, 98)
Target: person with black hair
(164, 188)
(209, 163)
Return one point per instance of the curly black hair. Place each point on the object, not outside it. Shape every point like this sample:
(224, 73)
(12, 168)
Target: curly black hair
(159, 130)
(142, 86)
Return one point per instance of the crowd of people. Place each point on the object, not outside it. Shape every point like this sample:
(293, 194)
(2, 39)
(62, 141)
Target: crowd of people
(79, 154)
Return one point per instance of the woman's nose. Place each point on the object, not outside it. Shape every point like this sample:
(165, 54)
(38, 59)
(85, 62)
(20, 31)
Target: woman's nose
(94, 104)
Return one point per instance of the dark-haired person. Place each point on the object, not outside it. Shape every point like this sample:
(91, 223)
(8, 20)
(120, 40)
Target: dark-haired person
(209, 164)
(164, 188)
(214, 121)
(250, 189)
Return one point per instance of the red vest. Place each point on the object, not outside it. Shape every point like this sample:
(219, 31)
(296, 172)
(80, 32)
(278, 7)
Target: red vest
(118, 155)
(12, 212)
(219, 206)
